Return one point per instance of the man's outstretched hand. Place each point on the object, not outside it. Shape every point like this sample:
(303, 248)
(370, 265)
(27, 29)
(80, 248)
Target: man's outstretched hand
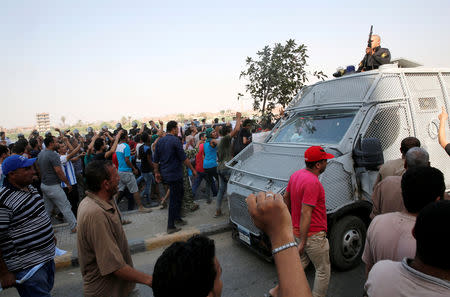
(443, 116)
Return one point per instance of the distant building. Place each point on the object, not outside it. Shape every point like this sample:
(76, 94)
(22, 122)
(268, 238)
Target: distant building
(43, 121)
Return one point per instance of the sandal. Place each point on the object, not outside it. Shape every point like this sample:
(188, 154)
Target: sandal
(126, 222)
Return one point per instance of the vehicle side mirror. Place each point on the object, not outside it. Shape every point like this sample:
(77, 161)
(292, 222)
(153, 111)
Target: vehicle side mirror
(368, 153)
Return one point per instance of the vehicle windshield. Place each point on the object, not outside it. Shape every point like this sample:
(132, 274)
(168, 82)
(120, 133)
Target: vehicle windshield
(313, 128)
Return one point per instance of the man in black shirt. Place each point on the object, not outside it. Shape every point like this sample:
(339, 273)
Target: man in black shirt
(375, 56)
(98, 143)
(135, 130)
(244, 137)
(145, 154)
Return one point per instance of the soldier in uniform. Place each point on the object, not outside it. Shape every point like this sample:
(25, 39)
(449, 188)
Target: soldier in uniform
(135, 130)
(375, 56)
(188, 204)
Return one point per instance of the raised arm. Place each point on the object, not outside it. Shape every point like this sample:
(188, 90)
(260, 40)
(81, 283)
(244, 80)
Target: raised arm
(69, 145)
(114, 146)
(91, 145)
(443, 122)
(141, 130)
(271, 215)
(237, 127)
(73, 152)
(161, 127)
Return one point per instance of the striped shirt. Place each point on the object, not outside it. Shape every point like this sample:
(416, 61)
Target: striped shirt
(68, 170)
(26, 233)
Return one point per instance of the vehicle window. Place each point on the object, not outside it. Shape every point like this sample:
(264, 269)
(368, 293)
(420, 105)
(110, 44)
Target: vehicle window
(314, 129)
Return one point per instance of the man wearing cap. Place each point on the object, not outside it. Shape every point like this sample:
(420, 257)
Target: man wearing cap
(26, 234)
(305, 199)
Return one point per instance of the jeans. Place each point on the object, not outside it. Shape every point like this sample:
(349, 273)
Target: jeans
(125, 193)
(40, 284)
(175, 196)
(317, 251)
(211, 174)
(209, 187)
(141, 177)
(224, 176)
(81, 186)
(148, 178)
(54, 195)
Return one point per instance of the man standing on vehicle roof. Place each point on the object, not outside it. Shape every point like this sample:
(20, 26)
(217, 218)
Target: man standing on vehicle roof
(375, 56)
(305, 199)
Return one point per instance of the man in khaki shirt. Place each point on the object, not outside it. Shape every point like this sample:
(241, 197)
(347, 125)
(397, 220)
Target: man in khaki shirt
(396, 167)
(387, 195)
(103, 252)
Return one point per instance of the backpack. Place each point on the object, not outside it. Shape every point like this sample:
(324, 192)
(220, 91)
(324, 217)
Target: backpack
(141, 152)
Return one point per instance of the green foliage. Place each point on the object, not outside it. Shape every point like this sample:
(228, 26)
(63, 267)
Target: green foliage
(180, 117)
(276, 75)
(105, 124)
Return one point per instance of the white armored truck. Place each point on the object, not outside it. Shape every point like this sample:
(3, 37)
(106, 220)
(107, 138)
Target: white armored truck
(361, 119)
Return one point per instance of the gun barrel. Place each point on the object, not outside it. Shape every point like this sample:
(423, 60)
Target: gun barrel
(369, 42)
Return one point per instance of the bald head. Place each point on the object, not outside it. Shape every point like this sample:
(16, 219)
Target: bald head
(376, 40)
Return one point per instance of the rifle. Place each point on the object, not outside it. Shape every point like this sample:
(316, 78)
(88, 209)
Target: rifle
(369, 45)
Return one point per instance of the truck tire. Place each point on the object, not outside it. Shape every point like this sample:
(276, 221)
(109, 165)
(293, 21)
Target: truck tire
(347, 239)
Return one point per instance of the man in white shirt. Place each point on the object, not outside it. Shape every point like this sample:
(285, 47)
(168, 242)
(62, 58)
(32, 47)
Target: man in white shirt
(389, 236)
(428, 274)
(4, 140)
(67, 154)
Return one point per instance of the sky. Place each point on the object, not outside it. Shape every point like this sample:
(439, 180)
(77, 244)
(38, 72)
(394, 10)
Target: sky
(101, 60)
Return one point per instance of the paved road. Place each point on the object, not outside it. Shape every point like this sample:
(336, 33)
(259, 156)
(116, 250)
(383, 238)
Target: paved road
(244, 274)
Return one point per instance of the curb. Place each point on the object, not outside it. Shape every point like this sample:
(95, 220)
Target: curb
(70, 259)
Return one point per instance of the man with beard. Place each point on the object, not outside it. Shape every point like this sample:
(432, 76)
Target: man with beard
(305, 199)
(104, 256)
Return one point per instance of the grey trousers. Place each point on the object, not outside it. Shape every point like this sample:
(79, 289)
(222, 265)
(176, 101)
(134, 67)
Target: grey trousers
(54, 195)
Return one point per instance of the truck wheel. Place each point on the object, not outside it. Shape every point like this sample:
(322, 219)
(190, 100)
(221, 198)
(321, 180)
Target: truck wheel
(347, 240)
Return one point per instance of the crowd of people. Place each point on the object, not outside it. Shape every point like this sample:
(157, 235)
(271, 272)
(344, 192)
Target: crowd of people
(82, 180)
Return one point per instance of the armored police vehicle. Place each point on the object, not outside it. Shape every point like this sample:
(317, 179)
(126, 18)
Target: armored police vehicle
(361, 119)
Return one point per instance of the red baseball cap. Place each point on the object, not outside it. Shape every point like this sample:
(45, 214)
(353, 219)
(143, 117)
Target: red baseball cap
(316, 153)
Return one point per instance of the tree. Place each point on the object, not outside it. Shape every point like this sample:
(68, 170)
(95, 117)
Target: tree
(180, 117)
(276, 75)
(63, 120)
(123, 120)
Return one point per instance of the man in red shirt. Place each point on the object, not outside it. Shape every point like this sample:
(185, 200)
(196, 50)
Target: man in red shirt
(305, 199)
